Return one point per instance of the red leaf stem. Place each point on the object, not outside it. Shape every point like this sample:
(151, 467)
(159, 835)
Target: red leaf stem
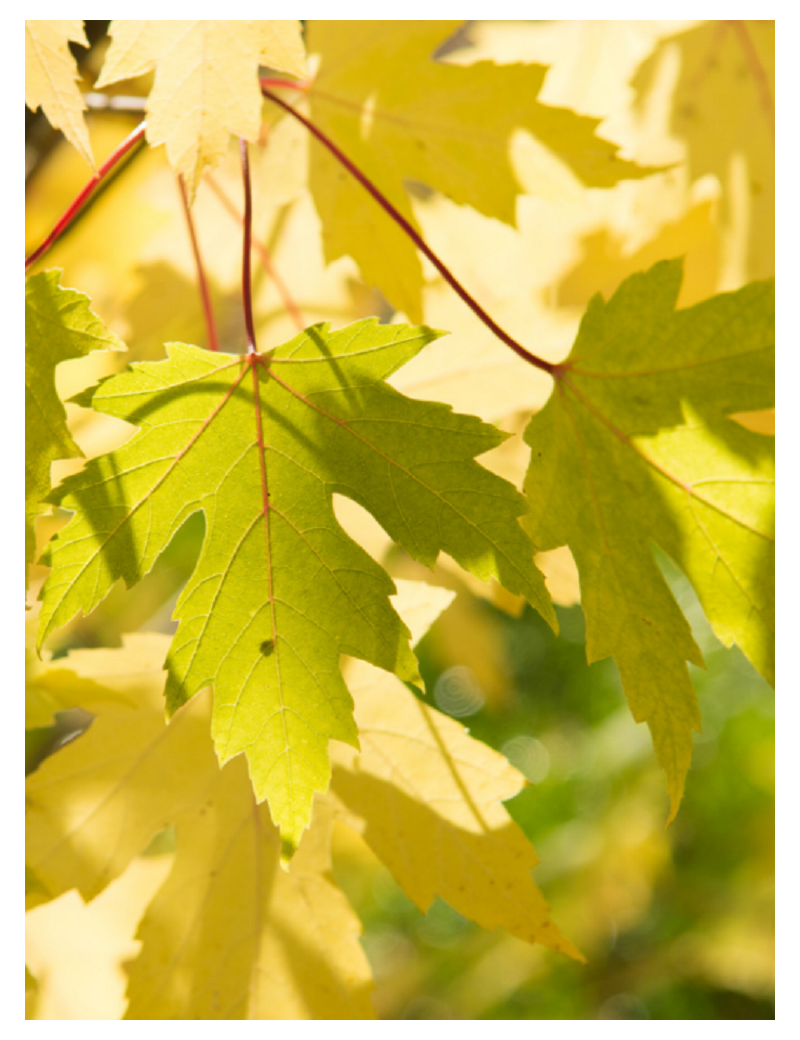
(263, 255)
(247, 298)
(77, 204)
(416, 238)
(202, 282)
(288, 84)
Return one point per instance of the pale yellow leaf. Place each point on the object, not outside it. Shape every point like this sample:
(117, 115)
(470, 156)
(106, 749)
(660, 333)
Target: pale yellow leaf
(206, 84)
(50, 79)
(427, 798)
(263, 942)
(421, 605)
(233, 936)
(77, 950)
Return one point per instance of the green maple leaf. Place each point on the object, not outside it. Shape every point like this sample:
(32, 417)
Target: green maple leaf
(259, 444)
(59, 326)
(399, 115)
(635, 447)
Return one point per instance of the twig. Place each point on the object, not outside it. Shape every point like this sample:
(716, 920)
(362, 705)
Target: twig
(263, 255)
(211, 327)
(415, 237)
(247, 299)
(77, 204)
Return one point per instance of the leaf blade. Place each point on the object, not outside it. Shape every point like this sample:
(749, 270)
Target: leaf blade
(59, 326)
(206, 87)
(624, 453)
(279, 590)
(50, 79)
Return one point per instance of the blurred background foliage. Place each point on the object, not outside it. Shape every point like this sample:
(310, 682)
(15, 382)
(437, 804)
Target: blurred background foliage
(676, 923)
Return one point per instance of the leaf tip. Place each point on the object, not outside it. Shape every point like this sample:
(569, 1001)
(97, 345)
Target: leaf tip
(288, 849)
(675, 798)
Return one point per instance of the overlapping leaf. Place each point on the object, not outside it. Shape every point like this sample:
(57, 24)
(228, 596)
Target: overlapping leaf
(427, 798)
(58, 326)
(259, 444)
(398, 114)
(206, 85)
(724, 109)
(50, 79)
(635, 447)
(231, 934)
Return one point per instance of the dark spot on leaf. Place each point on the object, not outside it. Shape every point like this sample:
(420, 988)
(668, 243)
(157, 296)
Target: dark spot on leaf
(267, 647)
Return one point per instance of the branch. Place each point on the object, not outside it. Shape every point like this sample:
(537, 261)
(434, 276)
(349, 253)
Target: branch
(78, 203)
(263, 255)
(211, 327)
(247, 299)
(416, 238)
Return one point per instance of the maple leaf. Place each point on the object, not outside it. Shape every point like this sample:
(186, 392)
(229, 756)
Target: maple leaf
(398, 114)
(633, 447)
(206, 84)
(230, 934)
(427, 799)
(259, 444)
(50, 75)
(265, 943)
(724, 109)
(58, 326)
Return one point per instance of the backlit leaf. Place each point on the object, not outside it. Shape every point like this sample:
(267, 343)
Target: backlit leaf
(230, 934)
(399, 114)
(206, 84)
(50, 79)
(724, 109)
(259, 444)
(58, 326)
(635, 447)
(427, 798)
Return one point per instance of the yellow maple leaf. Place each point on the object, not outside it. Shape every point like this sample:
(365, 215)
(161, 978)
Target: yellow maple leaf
(50, 75)
(427, 798)
(263, 942)
(398, 115)
(723, 110)
(232, 936)
(77, 950)
(206, 84)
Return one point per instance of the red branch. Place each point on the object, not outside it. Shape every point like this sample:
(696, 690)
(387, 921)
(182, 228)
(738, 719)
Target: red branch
(69, 215)
(263, 255)
(416, 238)
(211, 327)
(247, 299)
